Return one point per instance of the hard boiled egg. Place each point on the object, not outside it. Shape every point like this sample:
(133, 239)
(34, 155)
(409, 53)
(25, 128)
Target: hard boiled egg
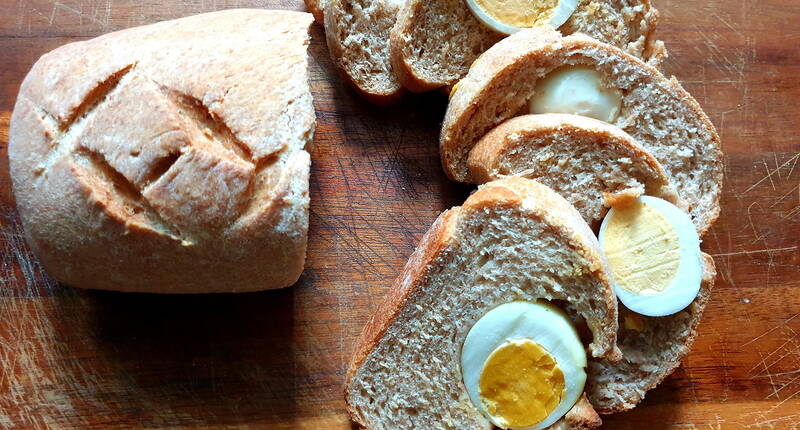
(510, 16)
(523, 365)
(653, 251)
(576, 90)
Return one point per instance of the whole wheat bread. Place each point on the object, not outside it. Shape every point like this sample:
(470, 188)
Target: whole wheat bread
(317, 8)
(657, 112)
(170, 158)
(652, 349)
(581, 158)
(434, 42)
(357, 32)
(514, 239)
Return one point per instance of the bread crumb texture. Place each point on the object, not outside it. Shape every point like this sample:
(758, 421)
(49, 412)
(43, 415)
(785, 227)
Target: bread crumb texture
(512, 240)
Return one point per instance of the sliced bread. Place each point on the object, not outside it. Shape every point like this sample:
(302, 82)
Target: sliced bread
(581, 158)
(434, 42)
(513, 239)
(357, 32)
(652, 349)
(656, 111)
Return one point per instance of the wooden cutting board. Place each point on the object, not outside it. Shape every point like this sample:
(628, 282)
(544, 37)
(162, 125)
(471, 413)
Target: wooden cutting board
(77, 359)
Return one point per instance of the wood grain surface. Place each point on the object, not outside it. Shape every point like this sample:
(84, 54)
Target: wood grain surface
(78, 359)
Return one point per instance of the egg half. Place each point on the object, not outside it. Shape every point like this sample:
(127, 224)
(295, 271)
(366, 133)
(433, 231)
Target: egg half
(524, 365)
(510, 16)
(576, 90)
(653, 250)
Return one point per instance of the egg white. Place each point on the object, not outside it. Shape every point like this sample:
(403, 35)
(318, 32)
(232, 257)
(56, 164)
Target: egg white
(564, 9)
(685, 286)
(543, 323)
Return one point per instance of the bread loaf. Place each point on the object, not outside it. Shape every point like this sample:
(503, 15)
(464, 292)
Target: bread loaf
(582, 159)
(657, 112)
(170, 158)
(514, 239)
(434, 42)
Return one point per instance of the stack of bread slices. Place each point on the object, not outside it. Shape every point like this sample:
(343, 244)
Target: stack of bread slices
(576, 143)
(385, 47)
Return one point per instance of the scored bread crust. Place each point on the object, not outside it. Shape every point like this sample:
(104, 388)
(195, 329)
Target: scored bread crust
(650, 355)
(657, 112)
(357, 32)
(434, 42)
(441, 243)
(548, 148)
(180, 170)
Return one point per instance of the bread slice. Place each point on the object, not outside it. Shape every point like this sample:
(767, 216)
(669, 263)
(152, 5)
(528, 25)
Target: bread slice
(657, 112)
(170, 158)
(514, 239)
(582, 159)
(358, 40)
(434, 42)
(652, 348)
(317, 8)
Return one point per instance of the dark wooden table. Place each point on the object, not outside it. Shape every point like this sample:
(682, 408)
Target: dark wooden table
(77, 359)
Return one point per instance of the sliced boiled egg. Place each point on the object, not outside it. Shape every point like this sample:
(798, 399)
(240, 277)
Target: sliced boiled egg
(524, 365)
(576, 90)
(653, 251)
(510, 16)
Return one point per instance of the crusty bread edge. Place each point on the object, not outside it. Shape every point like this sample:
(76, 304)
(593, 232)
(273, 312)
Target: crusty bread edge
(336, 51)
(314, 8)
(709, 276)
(433, 243)
(487, 152)
(404, 73)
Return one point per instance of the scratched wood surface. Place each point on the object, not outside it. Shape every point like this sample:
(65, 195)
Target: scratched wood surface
(77, 359)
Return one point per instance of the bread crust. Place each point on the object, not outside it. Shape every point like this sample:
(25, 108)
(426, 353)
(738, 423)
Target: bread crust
(435, 246)
(316, 8)
(337, 34)
(634, 390)
(415, 67)
(486, 155)
(131, 177)
(502, 79)
(492, 158)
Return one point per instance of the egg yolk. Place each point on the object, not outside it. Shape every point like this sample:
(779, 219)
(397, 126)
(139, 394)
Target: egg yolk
(520, 13)
(521, 383)
(642, 249)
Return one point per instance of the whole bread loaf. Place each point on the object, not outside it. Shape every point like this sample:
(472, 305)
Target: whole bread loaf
(656, 111)
(514, 239)
(585, 160)
(170, 158)
(434, 42)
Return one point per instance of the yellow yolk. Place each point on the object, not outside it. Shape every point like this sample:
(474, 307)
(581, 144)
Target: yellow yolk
(642, 249)
(521, 383)
(520, 13)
